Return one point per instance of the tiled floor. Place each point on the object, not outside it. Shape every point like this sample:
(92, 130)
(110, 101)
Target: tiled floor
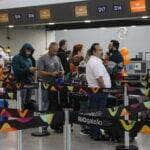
(8, 141)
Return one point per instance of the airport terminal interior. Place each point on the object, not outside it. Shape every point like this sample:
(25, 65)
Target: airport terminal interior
(74, 75)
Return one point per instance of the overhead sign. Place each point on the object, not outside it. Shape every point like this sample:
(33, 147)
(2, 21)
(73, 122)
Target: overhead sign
(4, 18)
(102, 9)
(30, 15)
(81, 11)
(45, 14)
(76, 11)
(117, 7)
(17, 16)
(138, 6)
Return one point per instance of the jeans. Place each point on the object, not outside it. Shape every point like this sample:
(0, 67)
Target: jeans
(98, 101)
(25, 96)
(45, 100)
(50, 101)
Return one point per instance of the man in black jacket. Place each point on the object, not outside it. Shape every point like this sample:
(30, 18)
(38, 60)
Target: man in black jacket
(62, 54)
(115, 61)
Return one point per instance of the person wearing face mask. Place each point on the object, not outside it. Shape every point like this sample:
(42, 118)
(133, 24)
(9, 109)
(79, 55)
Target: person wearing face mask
(23, 70)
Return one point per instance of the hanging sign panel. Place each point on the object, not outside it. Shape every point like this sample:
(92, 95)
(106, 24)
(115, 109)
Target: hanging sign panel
(107, 9)
(76, 11)
(45, 14)
(31, 15)
(17, 17)
(138, 6)
(81, 11)
(4, 18)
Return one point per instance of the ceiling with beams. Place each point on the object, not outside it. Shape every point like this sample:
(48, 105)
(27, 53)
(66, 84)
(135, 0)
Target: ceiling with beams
(5, 4)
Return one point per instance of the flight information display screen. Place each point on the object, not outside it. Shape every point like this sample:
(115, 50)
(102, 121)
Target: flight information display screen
(117, 7)
(30, 15)
(4, 18)
(45, 14)
(17, 16)
(102, 9)
(81, 11)
(138, 6)
(77, 11)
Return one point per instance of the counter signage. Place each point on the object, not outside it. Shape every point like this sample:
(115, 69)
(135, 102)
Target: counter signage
(102, 9)
(17, 16)
(4, 18)
(45, 14)
(30, 15)
(81, 11)
(117, 8)
(137, 6)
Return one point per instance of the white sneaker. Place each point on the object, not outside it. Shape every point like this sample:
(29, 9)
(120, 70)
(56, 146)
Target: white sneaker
(83, 133)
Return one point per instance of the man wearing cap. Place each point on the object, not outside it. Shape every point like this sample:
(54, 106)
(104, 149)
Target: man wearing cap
(23, 70)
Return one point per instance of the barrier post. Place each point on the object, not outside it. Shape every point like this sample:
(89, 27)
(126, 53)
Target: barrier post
(126, 145)
(67, 131)
(40, 131)
(19, 106)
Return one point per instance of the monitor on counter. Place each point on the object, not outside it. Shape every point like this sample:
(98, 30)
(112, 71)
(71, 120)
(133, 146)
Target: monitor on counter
(136, 68)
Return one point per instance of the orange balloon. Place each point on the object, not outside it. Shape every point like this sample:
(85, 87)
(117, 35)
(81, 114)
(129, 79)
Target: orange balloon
(124, 51)
(146, 129)
(126, 60)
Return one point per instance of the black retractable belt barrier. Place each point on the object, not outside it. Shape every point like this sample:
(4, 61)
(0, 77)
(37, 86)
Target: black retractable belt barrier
(42, 130)
(126, 145)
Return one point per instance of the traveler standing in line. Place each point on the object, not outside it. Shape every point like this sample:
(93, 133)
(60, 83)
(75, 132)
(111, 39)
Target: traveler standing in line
(50, 68)
(23, 70)
(97, 76)
(115, 61)
(62, 54)
(76, 58)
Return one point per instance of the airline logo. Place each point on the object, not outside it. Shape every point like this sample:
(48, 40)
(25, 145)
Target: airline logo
(138, 6)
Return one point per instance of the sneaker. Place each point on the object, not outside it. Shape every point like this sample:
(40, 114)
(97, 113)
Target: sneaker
(83, 132)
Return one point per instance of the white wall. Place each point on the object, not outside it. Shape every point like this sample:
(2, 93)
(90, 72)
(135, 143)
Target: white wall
(4, 4)
(38, 38)
(136, 40)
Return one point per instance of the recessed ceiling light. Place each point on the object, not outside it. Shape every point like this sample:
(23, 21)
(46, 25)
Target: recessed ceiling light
(103, 28)
(11, 26)
(65, 30)
(87, 21)
(145, 17)
(51, 23)
(133, 26)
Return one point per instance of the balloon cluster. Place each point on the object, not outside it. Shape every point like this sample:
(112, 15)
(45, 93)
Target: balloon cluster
(122, 33)
(125, 55)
